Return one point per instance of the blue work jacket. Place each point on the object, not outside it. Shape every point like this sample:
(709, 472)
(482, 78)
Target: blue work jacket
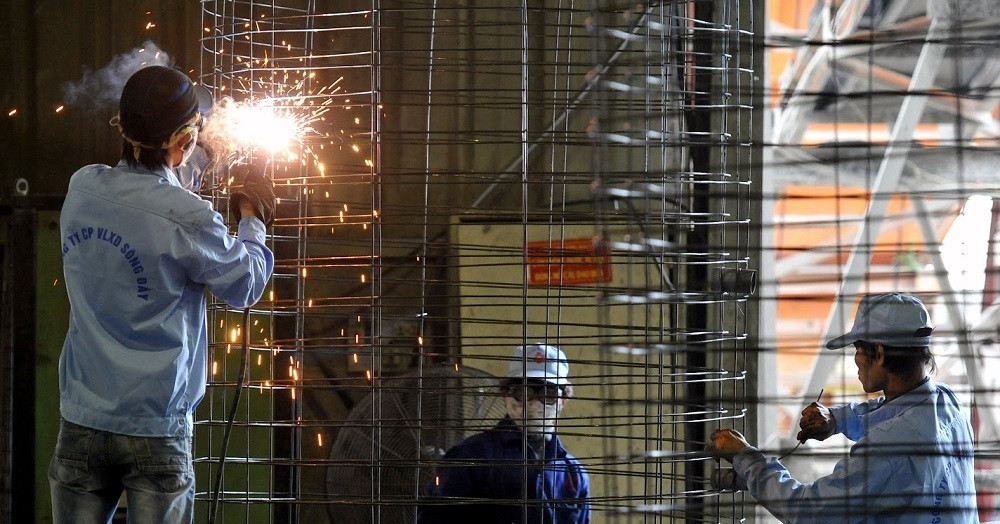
(911, 463)
(491, 465)
(139, 252)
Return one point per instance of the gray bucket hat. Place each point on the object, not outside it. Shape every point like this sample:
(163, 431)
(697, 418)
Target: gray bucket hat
(892, 319)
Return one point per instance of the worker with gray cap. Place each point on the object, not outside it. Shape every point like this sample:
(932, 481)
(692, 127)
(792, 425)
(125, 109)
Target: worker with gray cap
(912, 460)
(139, 252)
(482, 478)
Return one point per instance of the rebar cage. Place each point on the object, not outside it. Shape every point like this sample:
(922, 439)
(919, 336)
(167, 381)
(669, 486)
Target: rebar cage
(476, 176)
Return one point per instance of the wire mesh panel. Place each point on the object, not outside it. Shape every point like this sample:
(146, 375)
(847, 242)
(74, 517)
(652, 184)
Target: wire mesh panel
(298, 98)
(455, 180)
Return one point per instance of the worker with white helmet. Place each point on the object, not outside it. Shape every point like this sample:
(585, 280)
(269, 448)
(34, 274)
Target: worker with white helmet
(483, 477)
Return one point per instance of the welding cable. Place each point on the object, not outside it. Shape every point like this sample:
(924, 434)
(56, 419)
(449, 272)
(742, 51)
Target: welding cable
(213, 507)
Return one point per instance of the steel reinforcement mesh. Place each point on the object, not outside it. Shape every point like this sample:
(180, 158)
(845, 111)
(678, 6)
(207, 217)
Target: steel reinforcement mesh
(461, 178)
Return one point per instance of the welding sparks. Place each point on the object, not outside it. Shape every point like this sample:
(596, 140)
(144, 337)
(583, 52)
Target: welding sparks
(264, 126)
(239, 128)
(278, 125)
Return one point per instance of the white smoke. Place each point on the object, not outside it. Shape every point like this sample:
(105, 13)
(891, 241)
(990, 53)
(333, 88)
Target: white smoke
(100, 89)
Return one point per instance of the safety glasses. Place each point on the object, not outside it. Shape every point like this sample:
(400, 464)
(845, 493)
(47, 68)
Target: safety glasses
(192, 126)
(546, 393)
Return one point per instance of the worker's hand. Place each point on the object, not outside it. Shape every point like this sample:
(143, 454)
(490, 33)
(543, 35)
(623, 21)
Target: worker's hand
(817, 422)
(251, 193)
(726, 443)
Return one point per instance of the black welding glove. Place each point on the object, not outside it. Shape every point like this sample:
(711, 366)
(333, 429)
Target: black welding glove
(250, 184)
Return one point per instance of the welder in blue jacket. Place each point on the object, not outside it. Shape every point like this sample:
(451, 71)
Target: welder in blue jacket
(483, 480)
(912, 460)
(139, 252)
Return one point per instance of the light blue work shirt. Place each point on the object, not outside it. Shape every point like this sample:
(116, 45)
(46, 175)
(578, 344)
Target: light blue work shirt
(911, 463)
(139, 252)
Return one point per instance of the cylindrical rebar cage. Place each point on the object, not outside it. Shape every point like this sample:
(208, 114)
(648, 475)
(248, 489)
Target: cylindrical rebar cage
(672, 198)
(463, 178)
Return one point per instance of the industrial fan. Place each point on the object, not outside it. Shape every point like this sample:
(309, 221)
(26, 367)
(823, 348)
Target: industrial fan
(384, 454)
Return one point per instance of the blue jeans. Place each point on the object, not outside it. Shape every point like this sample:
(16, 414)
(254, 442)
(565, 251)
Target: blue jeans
(90, 469)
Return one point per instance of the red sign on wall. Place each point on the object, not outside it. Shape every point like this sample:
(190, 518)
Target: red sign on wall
(568, 262)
